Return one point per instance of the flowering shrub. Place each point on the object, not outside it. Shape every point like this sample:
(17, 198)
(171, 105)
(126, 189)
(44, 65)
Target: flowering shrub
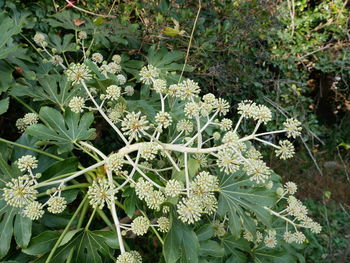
(181, 169)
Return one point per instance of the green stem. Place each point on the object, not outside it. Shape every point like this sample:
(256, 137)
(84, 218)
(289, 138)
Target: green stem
(154, 229)
(24, 104)
(69, 187)
(32, 149)
(105, 219)
(49, 258)
(80, 223)
(83, 214)
(90, 220)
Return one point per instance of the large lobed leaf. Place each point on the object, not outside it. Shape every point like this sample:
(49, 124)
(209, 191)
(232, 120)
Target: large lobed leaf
(61, 130)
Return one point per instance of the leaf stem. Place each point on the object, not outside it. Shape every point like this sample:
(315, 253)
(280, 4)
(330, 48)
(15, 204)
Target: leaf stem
(49, 258)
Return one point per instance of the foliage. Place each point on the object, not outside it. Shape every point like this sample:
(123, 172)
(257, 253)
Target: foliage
(81, 130)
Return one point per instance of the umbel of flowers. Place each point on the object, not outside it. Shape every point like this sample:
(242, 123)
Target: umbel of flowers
(147, 143)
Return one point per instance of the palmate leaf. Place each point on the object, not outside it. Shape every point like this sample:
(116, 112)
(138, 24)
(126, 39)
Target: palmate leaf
(8, 28)
(237, 196)
(12, 222)
(88, 247)
(61, 130)
(53, 88)
(181, 243)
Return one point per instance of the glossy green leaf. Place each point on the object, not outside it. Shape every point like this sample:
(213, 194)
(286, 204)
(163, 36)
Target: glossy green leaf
(62, 130)
(22, 230)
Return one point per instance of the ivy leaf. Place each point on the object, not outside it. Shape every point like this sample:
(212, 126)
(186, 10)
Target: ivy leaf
(62, 130)
(238, 197)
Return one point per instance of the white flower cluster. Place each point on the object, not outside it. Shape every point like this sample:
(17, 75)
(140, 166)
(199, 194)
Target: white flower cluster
(78, 72)
(19, 192)
(140, 225)
(129, 257)
(201, 199)
(27, 162)
(101, 192)
(28, 120)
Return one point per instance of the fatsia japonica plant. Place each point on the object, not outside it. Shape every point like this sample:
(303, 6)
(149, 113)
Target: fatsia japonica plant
(183, 172)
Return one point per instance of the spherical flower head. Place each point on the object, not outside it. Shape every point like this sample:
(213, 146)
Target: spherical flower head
(121, 78)
(188, 89)
(56, 204)
(296, 208)
(148, 74)
(21, 126)
(82, 35)
(204, 183)
(210, 99)
(39, 38)
(184, 126)
(148, 150)
(97, 57)
(154, 200)
(270, 239)
(133, 124)
(129, 90)
(219, 228)
(159, 85)
(209, 204)
(77, 104)
(34, 210)
(189, 210)
(163, 119)
(173, 188)
(247, 108)
(173, 90)
(27, 162)
(216, 136)
(115, 162)
(314, 227)
(78, 72)
(117, 59)
(291, 188)
(226, 124)
(228, 161)
(286, 150)
(143, 188)
(248, 236)
(191, 109)
(113, 92)
(20, 192)
(202, 159)
(293, 127)
(205, 109)
(129, 257)
(288, 237)
(163, 224)
(101, 192)
(140, 225)
(299, 237)
(231, 139)
(113, 68)
(56, 60)
(30, 119)
(262, 114)
(252, 153)
(257, 170)
(222, 106)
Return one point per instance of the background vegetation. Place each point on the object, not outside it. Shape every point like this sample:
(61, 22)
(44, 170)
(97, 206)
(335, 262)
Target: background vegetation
(291, 55)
